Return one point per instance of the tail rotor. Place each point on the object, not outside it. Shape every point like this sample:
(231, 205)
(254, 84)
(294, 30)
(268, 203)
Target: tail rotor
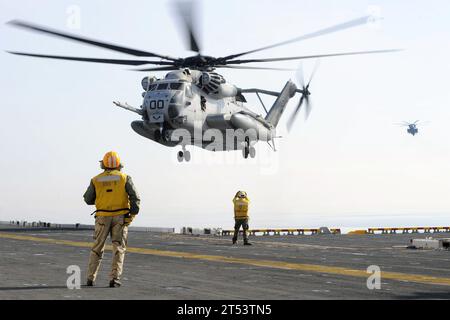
(304, 91)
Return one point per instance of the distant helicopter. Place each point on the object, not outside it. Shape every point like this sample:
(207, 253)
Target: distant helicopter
(192, 97)
(412, 127)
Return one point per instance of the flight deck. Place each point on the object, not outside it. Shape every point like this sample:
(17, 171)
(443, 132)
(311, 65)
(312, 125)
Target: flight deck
(175, 266)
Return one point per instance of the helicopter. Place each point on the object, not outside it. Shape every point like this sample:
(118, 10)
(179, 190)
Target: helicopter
(412, 127)
(195, 105)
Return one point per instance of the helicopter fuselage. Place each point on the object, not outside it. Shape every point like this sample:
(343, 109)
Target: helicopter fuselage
(412, 129)
(178, 110)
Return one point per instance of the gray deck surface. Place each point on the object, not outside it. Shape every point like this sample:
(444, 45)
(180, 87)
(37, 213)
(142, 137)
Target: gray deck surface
(37, 270)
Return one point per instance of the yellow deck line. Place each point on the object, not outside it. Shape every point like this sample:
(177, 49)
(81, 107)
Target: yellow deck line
(253, 262)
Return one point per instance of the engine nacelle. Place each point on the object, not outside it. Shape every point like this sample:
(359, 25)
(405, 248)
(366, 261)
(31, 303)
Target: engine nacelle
(214, 85)
(210, 82)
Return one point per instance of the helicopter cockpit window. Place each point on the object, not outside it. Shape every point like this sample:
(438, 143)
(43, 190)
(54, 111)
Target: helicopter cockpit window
(152, 87)
(176, 86)
(162, 86)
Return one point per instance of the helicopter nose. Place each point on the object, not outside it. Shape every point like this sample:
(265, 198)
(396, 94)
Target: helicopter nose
(174, 110)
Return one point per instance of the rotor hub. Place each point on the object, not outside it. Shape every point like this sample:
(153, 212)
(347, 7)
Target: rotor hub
(198, 62)
(306, 91)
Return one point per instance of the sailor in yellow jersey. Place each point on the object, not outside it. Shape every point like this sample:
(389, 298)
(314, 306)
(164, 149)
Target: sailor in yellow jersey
(117, 202)
(241, 202)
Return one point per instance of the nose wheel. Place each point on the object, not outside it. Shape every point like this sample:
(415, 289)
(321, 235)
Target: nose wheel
(184, 155)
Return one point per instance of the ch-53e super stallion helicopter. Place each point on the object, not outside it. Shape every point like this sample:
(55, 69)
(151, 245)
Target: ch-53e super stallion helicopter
(193, 97)
(412, 127)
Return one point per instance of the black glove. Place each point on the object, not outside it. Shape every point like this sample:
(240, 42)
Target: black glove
(128, 218)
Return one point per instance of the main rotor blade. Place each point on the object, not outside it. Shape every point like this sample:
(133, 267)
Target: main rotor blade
(312, 56)
(95, 60)
(185, 11)
(332, 29)
(113, 47)
(169, 68)
(252, 68)
(401, 124)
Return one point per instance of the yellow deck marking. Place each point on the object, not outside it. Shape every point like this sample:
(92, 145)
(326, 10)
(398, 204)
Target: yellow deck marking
(253, 262)
(268, 243)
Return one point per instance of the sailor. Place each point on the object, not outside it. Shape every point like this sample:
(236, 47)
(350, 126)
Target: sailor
(241, 202)
(117, 203)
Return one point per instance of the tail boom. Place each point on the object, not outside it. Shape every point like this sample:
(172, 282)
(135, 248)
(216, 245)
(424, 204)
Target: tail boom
(275, 113)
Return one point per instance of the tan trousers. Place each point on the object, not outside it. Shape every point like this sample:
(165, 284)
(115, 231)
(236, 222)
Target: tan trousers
(119, 232)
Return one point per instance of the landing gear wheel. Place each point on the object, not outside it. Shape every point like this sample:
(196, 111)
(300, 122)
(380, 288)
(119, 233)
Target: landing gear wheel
(180, 156)
(187, 156)
(183, 155)
(245, 152)
(252, 152)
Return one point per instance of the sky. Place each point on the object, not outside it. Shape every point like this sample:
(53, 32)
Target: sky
(348, 165)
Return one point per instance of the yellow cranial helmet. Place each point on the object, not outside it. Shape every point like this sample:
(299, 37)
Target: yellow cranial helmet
(241, 194)
(111, 160)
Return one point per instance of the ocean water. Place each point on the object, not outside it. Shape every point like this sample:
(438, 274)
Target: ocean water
(346, 222)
